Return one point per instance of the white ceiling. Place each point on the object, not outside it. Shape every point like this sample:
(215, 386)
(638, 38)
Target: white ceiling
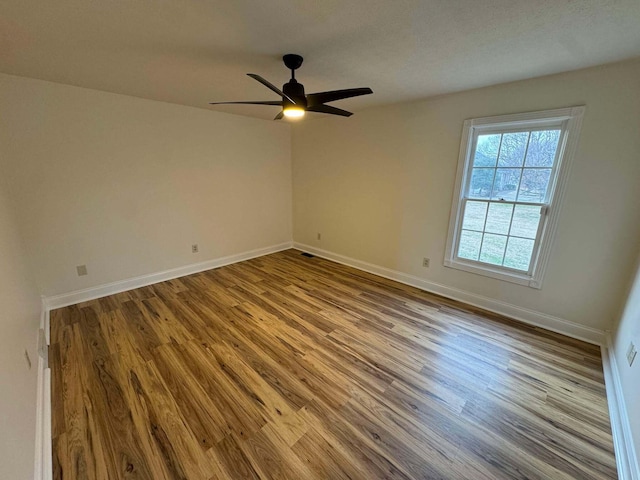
(194, 51)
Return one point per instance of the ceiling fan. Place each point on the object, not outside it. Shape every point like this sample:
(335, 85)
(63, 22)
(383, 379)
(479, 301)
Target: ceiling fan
(294, 102)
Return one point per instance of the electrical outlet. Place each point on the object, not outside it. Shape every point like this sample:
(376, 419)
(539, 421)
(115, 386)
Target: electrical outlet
(194, 248)
(82, 270)
(319, 236)
(631, 353)
(426, 262)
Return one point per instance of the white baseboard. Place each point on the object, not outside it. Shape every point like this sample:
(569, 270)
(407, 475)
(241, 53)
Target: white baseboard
(626, 457)
(71, 298)
(531, 317)
(43, 468)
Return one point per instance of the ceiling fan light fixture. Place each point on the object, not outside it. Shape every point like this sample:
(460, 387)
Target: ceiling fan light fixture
(293, 111)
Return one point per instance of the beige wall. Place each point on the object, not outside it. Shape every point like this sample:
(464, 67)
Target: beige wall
(379, 187)
(126, 185)
(19, 321)
(628, 331)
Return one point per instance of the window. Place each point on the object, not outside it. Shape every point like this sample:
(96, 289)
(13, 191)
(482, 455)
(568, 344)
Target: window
(512, 171)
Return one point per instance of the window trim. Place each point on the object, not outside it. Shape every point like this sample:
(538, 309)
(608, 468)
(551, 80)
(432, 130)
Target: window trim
(571, 120)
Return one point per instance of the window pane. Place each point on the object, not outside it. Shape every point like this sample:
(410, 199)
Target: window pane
(481, 181)
(499, 218)
(533, 187)
(525, 221)
(518, 253)
(493, 248)
(512, 149)
(505, 184)
(469, 245)
(474, 215)
(486, 150)
(542, 148)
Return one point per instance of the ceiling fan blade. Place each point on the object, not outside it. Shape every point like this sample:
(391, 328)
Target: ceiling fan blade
(329, 109)
(268, 102)
(279, 116)
(332, 96)
(270, 86)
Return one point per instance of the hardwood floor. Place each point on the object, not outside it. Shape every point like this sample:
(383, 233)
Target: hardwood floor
(288, 367)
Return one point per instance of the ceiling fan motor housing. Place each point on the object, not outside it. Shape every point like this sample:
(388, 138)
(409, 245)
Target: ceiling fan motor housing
(295, 91)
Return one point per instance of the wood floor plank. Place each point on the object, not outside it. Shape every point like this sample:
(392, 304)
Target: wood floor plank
(359, 447)
(324, 459)
(294, 367)
(204, 419)
(177, 440)
(116, 445)
(231, 460)
(81, 464)
(272, 459)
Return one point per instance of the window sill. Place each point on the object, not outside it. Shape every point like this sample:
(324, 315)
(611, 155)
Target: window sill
(499, 274)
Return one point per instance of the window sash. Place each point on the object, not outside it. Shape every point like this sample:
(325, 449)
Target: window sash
(562, 126)
(544, 208)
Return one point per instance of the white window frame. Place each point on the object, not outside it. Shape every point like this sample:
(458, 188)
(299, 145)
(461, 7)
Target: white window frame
(569, 120)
